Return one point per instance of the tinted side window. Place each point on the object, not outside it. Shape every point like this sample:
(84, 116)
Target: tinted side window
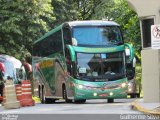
(52, 44)
(67, 35)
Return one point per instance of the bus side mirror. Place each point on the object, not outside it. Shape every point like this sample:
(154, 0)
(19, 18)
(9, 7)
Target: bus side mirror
(129, 52)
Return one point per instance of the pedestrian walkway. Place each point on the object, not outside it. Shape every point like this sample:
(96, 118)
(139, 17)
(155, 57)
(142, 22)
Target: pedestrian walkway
(147, 108)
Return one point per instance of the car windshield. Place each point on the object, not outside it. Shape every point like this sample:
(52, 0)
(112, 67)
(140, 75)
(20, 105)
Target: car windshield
(100, 67)
(94, 35)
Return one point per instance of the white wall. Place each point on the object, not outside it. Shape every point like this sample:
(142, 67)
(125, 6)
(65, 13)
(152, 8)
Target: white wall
(146, 8)
(151, 75)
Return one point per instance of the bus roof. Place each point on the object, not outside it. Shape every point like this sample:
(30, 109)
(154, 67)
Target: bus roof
(79, 23)
(93, 23)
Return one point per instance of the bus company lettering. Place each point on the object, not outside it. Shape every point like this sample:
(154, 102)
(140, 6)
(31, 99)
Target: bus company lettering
(100, 49)
(110, 85)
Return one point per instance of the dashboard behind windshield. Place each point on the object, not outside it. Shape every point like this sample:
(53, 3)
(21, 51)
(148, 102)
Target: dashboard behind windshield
(100, 67)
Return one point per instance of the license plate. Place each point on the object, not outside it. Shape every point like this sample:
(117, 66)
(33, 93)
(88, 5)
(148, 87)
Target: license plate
(103, 95)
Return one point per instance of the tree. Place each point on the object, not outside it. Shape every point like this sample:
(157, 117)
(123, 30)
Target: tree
(69, 10)
(22, 22)
(65, 10)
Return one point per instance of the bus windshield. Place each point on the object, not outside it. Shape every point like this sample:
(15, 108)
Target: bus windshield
(100, 67)
(97, 35)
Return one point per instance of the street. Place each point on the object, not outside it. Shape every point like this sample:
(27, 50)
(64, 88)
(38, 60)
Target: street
(120, 106)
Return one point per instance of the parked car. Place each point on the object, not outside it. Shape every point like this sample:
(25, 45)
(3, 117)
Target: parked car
(13, 70)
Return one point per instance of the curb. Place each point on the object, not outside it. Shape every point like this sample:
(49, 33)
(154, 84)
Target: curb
(136, 106)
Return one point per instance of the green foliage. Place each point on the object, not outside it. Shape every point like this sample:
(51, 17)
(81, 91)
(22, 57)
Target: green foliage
(64, 11)
(22, 22)
(69, 10)
(138, 77)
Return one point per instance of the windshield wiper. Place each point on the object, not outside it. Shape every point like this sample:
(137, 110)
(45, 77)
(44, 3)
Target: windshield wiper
(91, 78)
(118, 43)
(109, 77)
(115, 76)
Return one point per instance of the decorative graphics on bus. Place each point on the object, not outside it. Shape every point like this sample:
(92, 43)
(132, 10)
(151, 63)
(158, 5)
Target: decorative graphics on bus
(47, 63)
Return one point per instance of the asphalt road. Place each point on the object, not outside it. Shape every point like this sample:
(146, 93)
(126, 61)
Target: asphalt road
(120, 106)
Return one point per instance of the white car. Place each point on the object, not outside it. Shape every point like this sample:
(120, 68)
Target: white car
(13, 68)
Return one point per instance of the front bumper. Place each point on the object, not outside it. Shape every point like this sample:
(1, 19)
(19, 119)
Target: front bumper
(92, 90)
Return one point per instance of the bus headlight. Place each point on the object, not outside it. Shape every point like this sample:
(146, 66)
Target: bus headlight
(80, 86)
(111, 93)
(123, 85)
(94, 94)
(129, 84)
(129, 89)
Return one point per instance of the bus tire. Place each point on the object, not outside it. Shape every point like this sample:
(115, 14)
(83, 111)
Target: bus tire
(110, 100)
(45, 100)
(49, 100)
(39, 91)
(65, 95)
(138, 95)
(133, 95)
(42, 98)
(80, 101)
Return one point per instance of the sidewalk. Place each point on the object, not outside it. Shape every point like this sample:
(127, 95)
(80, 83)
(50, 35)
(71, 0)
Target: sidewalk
(147, 108)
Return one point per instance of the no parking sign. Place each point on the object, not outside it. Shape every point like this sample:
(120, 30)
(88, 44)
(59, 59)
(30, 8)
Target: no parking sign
(155, 36)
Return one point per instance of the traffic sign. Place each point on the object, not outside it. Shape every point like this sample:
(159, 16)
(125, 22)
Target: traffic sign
(155, 36)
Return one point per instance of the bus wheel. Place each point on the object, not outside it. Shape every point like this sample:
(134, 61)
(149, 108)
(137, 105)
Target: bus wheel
(80, 101)
(138, 95)
(133, 95)
(110, 100)
(42, 98)
(65, 95)
(49, 100)
(39, 91)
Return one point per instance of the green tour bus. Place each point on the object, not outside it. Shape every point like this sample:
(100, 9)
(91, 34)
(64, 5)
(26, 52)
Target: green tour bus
(81, 60)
